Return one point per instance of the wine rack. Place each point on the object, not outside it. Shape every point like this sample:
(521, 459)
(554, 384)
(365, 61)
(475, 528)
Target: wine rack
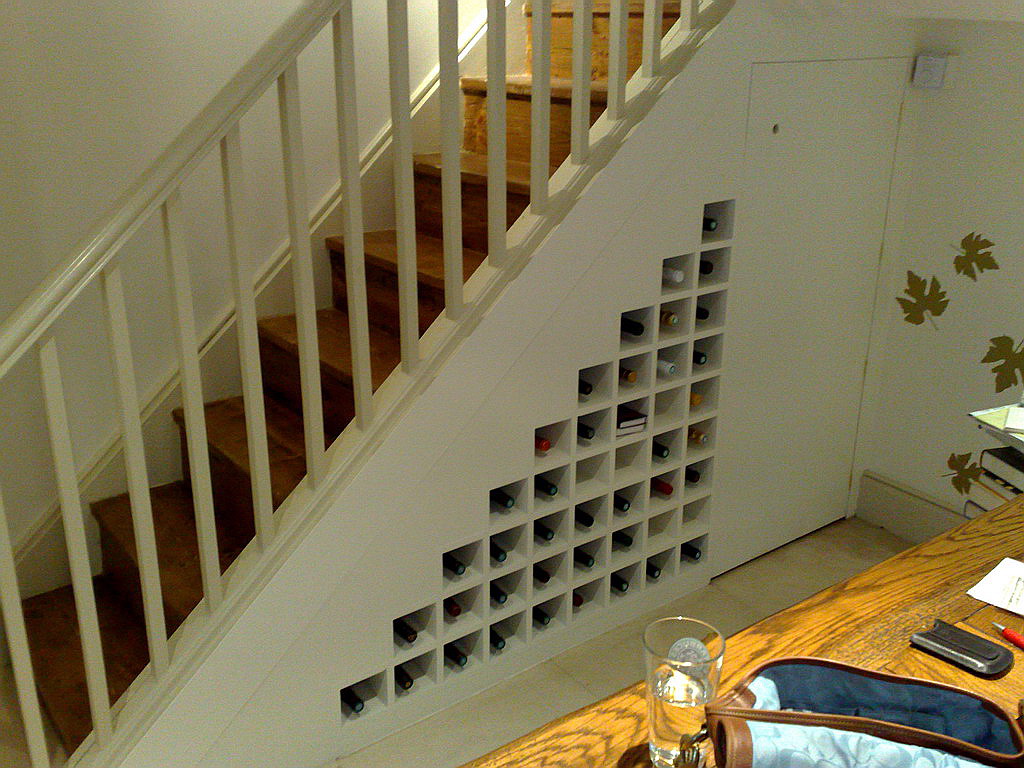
(604, 513)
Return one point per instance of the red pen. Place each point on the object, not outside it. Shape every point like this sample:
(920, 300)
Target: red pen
(1014, 637)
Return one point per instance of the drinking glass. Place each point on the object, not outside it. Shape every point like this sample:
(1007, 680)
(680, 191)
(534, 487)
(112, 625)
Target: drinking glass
(683, 658)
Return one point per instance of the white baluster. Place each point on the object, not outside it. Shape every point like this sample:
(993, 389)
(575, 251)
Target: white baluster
(352, 212)
(17, 646)
(650, 60)
(405, 202)
(582, 43)
(302, 271)
(74, 535)
(690, 14)
(248, 340)
(618, 58)
(497, 185)
(451, 143)
(135, 470)
(192, 400)
(540, 106)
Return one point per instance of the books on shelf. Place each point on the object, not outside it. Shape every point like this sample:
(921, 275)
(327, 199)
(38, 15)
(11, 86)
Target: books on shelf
(1005, 463)
(629, 421)
(990, 492)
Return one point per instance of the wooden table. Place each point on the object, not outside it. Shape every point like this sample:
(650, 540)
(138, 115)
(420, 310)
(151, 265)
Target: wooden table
(865, 620)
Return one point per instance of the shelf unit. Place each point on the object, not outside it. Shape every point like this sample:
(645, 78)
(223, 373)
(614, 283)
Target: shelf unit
(605, 513)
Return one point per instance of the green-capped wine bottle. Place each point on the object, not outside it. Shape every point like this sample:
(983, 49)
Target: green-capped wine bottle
(498, 595)
(699, 357)
(452, 564)
(502, 499)
(631, 327)
(541, 616)
(352, 701)
(584, 518)
(542, 531)
(497, 641)
(660, 450)
(621, 503)
(541, 574)
(582, 557)
(710, 224)
(691, 551)
(498, 554)
(623, 539)
(619, 584)
(585, 431)
(544, 486)
(454, 654)
(653, 571)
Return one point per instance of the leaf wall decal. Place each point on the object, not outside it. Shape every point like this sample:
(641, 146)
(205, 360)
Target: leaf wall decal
(1009, 359)
(925, 300)
(964, 472)
(974, 253)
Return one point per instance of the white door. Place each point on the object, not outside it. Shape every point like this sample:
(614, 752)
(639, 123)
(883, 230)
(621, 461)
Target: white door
(820, 142)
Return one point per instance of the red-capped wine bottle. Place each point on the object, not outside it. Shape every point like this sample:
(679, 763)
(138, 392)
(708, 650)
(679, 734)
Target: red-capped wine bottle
(582, 557)
(710, 224)
(621, 503)
(403, 679)
(653, 571)
(502, 499)
(452, 607)
(405, 631)
(541, 444)
(706, 267)
(541, 574)
(692, 475)
(454, 654)
(541, 616)
(703, 313)
(544, 486)
(660, 450)
(586, 388)
(497, 641)
(352, 701)
(623, 539)
(542, 531)
(662, 487)
(631, 327)
(577, 598)
(619, 584)
(453, 564)
(584, 518)
(690, 551)
(585, 431)
(699, 357)
(498, 595)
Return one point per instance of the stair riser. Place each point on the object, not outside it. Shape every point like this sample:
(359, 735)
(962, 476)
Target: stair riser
(382, 295)
(474, 210)
(561, 44)
(518, 121)
(281, 378)
(232, 491)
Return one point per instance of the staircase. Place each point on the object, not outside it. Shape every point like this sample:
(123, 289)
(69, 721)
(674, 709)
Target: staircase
(51, 620)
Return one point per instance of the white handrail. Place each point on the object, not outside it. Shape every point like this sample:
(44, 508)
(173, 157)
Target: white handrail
(31, 320)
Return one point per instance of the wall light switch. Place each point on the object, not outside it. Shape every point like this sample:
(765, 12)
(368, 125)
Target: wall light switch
(930, 70)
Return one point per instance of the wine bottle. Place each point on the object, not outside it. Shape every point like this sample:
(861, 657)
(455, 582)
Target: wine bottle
(541, 444)
(621, 503)
(582, 557)
(632, 327)
(542, 531)
(653, 571)
(545, 486)
(453, 564)
(498, 554)
(662, 487)
(669, 319)
(541, 574)
(703, 313)
(619, 584)
(577, 598)
(660, 450)
(454, 654)
(623, 539)
(352, 700)
(696, 398)
(586, 388)
(666, 367)
(706, 267)
(403, 679)
(690, 551)
(692, 475)
(498, 595)
(541, 616)
(697, 436)
(585, 431)
(502, 499)
(497, 641)
(405, 631)
(628, 375)
(710, 224)
(584, 518)
(673, 276)
(699, 357)
(452, 607)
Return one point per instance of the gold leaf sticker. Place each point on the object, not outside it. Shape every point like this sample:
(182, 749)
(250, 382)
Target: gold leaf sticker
(925, 300)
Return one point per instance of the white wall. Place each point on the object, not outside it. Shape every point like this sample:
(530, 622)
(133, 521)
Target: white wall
(960, 170)
(269, 691)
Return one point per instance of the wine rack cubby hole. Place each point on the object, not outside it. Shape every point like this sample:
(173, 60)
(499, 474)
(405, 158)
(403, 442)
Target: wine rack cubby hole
(618, 500)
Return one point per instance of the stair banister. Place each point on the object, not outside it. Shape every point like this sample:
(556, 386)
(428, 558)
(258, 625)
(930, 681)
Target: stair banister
(451, 141)
(650, 65)
(582, 43)
(618, 59)
(497, 170)
(540, 107)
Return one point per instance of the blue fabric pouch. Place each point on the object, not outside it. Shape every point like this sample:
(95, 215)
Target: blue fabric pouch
(816, 713)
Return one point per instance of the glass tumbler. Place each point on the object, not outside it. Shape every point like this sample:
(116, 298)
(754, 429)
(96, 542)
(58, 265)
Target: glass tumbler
(683, 658)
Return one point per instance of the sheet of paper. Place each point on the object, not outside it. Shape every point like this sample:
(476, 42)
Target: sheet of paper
(1002, 587)
(1015, 419)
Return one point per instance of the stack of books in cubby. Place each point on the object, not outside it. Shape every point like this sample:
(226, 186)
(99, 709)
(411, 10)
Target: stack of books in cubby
(618, 500)
(1002, 477)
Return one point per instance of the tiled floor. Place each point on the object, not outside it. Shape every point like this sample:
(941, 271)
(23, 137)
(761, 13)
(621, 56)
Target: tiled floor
(612, 661)
(590, 671)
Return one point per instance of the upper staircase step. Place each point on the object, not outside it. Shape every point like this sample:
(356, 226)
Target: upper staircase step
(474, 170)
(56, 645)
(603, 8)
(521, 86)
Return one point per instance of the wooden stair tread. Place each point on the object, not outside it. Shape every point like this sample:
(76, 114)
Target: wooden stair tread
(335, 344)
(522, 86)
(603, 8)
(226, 435)
(176, 540)
(474, 170)
(382, 250)
(52, 625)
